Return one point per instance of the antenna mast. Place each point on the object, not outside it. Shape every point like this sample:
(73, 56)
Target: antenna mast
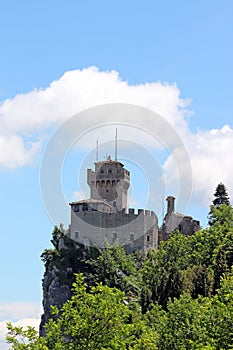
(116, 146)
(97, 151)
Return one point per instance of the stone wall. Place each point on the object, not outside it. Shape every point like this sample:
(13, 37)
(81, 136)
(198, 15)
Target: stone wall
(137, 231)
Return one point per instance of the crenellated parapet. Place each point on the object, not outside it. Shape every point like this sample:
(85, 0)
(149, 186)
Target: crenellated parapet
(93, 223)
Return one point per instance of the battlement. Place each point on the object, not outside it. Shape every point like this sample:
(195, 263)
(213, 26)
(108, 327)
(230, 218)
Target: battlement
(145, 212)
(105, 216)
(93, 223)
(90, 205)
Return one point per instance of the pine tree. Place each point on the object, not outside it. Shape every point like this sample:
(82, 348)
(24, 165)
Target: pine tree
(221, 195)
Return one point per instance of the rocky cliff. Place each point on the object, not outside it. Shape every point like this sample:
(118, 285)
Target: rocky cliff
(61, 264)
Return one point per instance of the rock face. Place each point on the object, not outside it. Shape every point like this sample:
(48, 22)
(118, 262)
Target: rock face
(61, 265)
(55, 292)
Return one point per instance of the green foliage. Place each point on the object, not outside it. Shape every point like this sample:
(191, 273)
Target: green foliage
(115, 268)
(162, 276)
(183, 264)
(221, 196)
(49, 256)
(223, 259)
(178, 297)
(58, 233)
(98, 319)
(221, 217)
(202, 323)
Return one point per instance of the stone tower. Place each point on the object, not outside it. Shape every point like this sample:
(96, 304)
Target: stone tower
(177, 221)
(105, 216)
(109, 182)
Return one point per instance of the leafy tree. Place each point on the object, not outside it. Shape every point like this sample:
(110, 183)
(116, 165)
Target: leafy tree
(198, 280)
(115, 268)
(57, 233)
(183, 328)
(202, 323)
(221, 195)
(221, 212)
(162, 272)
(95, 319)
(223, 262)
(49, 255)
(221, 217)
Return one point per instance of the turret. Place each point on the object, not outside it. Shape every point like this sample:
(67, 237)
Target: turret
(109, 182)
(170, 204)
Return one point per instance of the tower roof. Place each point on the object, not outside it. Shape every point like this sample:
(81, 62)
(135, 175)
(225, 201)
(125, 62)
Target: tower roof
(109, 161)
(90, 201)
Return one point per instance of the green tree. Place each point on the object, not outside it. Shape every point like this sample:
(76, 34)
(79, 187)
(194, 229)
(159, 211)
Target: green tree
(221, 217)
(223, 262)
(202, 323)
(221, 195)
(95, 319)
(162, 272)
(221, 212)
(115, 268)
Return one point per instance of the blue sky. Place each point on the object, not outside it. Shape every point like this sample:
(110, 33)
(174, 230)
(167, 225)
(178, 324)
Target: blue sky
(174, 57)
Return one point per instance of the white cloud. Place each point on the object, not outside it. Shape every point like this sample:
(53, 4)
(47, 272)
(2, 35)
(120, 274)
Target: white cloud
(25, 119)
(78, 195)
(210, 153)
(22, 323)
(19, 314)
(81, 89)
(29, 115)
(19, 310)
(15, 152)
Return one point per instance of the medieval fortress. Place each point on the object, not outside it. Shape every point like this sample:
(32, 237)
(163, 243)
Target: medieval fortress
(105, 217)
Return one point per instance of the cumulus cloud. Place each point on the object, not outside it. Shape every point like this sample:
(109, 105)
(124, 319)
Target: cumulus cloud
(26, 119)
(210, 153)
(19, 314)
(15, 152)
(16, 311)
(22, 323)
(28, 115)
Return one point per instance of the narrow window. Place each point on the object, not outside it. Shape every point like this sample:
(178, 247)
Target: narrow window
(114, 236)
(76, 208)
(148, 238)
(131, 236)
(85, 207)
(76, 235)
